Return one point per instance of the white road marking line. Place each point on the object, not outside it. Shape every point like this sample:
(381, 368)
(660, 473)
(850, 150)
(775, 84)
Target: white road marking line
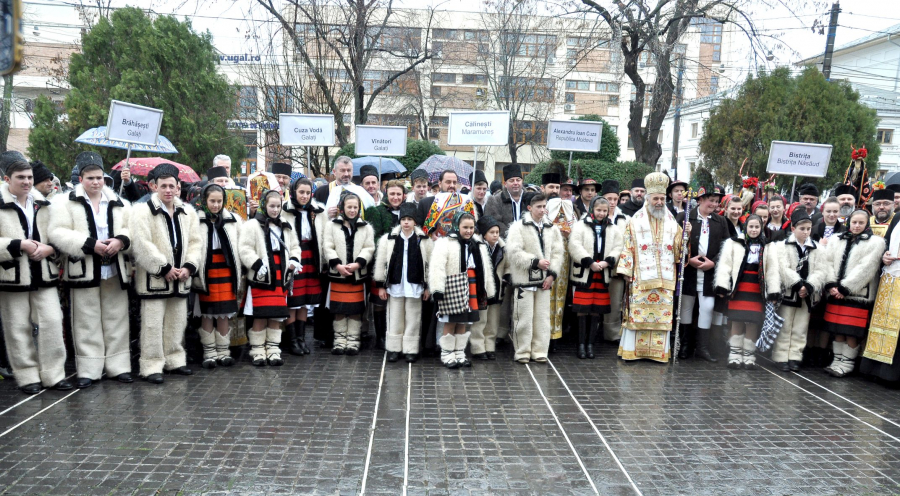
(372, 429)
(823, 400)
(843, 397)
(594, 426)
(7, 431)
(29, 398)
(406, 447)
(558, 423)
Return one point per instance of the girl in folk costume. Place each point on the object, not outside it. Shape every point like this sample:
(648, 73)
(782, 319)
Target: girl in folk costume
(740, 273)
(594, 247)
(348, 244)
(307, 219)
(484, 332)
(778, 227)
(733, 211)
(461, 284)
(270, 251)
(830, 223)
(855, 257)
(401, 266)
(818, 351)
(218, 277)
(803, 268)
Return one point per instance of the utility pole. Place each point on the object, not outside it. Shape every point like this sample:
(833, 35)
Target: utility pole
(679, 98)
(829, 41)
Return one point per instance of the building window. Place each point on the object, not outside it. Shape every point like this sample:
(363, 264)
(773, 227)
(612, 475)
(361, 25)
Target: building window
(714, 84)
(614, 100)
(434, 133)
(570, 97)
(278, 100)
(531, 45)
(695, 128)
(435, 91)
(443, 77)
(611, 87)
(246, 104)
(885, 136)
(578, 85)
(440, 121)
(530, 132)
(474, 79)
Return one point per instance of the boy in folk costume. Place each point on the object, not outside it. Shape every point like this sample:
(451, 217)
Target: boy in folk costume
(484, 332)
(218, 278)
(744, 274)
(461, 283)
(853, 257)
(348, 246)
(563, 215)
(535, 248)
(307, 219)
(271, 253)
(594, 247)
(401, 267)
(89, 226)
(28, 294)
(802, 269)
(165, 235)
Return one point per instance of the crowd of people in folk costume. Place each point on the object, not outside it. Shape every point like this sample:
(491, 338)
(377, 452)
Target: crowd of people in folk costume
(436, 268)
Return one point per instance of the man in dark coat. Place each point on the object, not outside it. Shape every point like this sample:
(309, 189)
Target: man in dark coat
(638, 191)
(507, 207)
(809, 199)
(708, 231)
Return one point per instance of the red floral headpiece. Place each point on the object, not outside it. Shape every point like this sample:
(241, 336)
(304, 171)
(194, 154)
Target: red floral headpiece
(750, 182)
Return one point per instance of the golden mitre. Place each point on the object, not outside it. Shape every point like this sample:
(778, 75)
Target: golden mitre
(656, 183)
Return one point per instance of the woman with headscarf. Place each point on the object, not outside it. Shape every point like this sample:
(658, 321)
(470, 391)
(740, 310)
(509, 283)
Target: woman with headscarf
(305, 215)
(348, 246)
(270, 252)
(594, 247)
(855, 257)
(461, 283)
(218, 277)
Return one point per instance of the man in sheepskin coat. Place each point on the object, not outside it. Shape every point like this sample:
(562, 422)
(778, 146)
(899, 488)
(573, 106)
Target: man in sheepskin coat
(508, 207)
(28, 276)
(535, 248)
(90, 227)
(166, 242)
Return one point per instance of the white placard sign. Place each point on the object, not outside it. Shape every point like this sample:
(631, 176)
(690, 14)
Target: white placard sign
(479, 128)
(799, 159)
(133, 123)
(383, 141)
(574, 136)
(306, 129)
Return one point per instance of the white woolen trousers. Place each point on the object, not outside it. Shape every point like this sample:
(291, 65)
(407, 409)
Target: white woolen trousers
(100, 330)
(792, 339)
(531, 323)
(21, 312)
(404, 317)
(162, 335)
(484, 332)
(612, 322)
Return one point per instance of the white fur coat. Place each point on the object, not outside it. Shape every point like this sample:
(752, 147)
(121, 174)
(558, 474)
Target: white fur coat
(860, 280)
(153, 251)
(334, 249)
(581, 251)
(72, 230)
(231, 224)
(256, 250)
(787, 280)
(445, 261)
(386, 249)
(525, 249)
(290, 214)
(17, 272)
(728, 268)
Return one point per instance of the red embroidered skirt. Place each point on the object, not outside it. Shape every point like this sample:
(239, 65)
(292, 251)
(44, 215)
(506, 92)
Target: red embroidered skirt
(271, 303)
(307, 288)
(221, 299)
(847, 318)
(746, 304)
(593, 299)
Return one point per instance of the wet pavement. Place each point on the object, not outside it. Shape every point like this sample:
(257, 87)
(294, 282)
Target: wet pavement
(569, 427)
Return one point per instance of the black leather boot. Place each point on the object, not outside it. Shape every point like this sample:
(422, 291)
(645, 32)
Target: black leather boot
(703, 336)
(380, 328)
(686, 349)
(291, 340)
(300, 335)
(594, 326)
(583, 322)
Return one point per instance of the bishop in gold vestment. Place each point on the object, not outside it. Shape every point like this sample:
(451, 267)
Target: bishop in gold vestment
(652, 249)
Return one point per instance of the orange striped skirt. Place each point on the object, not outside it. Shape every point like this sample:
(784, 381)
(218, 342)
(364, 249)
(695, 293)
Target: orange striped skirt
(593, 299)
(221, 299)
(271, 303)
(347, 298)
(307, 288)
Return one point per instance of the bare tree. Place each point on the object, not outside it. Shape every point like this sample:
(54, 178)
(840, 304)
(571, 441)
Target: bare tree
(650, 30)
(356, 37)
